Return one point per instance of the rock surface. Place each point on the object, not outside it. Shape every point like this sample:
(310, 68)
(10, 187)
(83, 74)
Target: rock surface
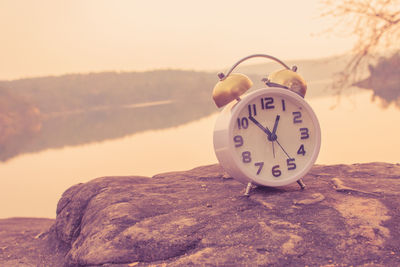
(347, 215)
(23, 243)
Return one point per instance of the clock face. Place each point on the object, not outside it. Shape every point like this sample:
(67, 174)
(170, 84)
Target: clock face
(275, 136)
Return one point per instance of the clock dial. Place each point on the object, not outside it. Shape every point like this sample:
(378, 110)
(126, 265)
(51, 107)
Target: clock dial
(275, 136)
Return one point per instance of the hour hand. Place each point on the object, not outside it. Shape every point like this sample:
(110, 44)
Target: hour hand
(275, 125)
(265, 129)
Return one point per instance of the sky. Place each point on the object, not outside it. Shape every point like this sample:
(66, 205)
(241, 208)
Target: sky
(50, 37)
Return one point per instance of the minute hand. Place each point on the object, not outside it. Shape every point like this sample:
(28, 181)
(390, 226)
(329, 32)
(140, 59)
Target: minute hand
(265, 129)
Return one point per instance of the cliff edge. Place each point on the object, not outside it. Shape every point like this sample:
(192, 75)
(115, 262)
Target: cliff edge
(347, 215)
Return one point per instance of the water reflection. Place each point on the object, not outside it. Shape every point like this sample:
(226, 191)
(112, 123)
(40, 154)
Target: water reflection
(76, 109)
(384, 81)
(31, 184)
(86, 127)
(358, 130)
(35, 182)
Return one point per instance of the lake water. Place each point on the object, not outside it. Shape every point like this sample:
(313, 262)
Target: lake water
(356, 130)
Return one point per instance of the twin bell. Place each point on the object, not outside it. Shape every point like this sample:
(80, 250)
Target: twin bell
(233, 85)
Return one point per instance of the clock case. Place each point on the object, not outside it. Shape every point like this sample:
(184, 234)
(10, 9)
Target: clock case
(228, 92)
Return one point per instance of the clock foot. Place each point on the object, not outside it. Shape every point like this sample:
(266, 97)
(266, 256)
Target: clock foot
(301, 183)
(248, 188)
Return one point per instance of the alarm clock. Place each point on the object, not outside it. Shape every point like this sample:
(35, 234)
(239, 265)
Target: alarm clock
(270, 136)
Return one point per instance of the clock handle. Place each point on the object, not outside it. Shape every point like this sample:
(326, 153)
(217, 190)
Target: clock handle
(222, 76)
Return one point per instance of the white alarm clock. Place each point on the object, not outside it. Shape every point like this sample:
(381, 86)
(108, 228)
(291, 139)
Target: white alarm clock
(268, 137)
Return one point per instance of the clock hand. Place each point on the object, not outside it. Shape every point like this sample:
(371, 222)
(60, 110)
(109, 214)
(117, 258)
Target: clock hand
(283, 149)
(268, 132)
(273, 136)
(265, 130)
(273, 148)
(275, 126)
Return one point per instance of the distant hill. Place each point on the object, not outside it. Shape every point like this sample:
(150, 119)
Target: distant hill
(318, 73)
(110, 89)
(311, 69)
(81, 108)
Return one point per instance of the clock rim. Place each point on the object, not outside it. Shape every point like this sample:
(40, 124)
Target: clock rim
(237, 108)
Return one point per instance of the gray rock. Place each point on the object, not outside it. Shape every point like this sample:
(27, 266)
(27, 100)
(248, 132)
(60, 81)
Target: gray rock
(347, 215)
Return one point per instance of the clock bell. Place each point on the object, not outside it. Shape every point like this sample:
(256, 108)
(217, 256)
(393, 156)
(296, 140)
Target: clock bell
(232, 85)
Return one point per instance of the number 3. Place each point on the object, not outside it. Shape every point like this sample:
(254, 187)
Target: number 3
(304, 133)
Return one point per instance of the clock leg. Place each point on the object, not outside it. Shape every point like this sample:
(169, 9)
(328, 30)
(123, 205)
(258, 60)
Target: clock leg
(301, 183)
(248, 188)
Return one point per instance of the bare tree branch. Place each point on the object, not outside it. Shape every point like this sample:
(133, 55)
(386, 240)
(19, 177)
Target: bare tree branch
(375, 24)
